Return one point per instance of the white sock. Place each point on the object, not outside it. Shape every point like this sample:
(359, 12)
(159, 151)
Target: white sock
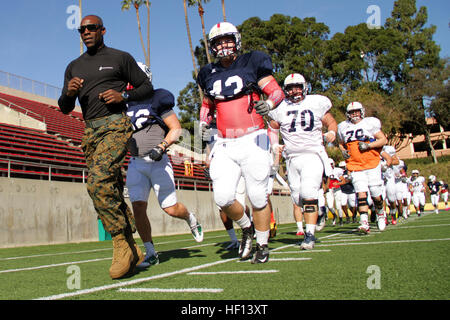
(262, 237)
(300, 226)
(191, 220)
(149, 248)
(244, 222)
(364, 218)
(232, 234)
(310, 228)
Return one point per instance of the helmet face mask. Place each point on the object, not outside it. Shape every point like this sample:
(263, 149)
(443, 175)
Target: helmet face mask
(352, 113)
(295, 87)
(220, 36)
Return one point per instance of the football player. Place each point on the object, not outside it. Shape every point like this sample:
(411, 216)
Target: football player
(156, 127)
(389, 160)
(434, 188)
(299, 119)
(444, 193)
(333, 194)
(361, 140)
(418, 188)
(348, 195)
(232, 88)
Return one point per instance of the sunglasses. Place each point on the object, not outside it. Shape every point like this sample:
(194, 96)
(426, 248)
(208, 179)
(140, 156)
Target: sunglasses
(90, 27)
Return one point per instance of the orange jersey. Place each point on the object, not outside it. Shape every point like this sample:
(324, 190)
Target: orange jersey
(350, 134)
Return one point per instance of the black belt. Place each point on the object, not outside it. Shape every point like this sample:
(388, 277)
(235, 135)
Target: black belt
(99, 122)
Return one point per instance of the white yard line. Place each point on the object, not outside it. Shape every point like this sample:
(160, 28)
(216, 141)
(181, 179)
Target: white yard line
(132, 282)
(302, 251)
(53, 265)
(140, 290)
(381, 242)
(232, 272)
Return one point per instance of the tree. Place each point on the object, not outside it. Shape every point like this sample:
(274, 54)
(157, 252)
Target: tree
(295, 45)
(126, 5)
(223, 10)
(201, 12)
(414, 75)
(419, 49)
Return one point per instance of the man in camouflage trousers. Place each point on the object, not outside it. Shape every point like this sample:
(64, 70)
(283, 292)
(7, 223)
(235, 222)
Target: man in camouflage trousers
(98, 78)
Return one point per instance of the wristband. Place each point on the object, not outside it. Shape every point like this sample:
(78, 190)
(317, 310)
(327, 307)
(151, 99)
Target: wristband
(165, 144)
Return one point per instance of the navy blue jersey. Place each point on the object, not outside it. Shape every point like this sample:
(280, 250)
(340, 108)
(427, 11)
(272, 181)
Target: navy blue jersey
(147, 112)
(348, 187)
(434, 187)
(241, 77)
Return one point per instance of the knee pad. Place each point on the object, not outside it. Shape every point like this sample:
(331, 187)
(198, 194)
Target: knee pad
(310, 206)
(224, 199)
(362, 201)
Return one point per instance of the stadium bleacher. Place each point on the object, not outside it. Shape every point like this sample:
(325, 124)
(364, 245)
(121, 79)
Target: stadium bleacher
(56, 153)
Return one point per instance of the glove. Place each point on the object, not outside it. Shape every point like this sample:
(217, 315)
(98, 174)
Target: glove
(363, 146)
(262, 107)
(156, 153)
(206, 133)
(345, 154)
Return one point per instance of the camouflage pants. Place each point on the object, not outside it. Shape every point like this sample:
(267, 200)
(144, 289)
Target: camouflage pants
(105, 149)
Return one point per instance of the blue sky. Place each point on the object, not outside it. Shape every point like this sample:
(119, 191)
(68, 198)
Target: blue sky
(37, 44)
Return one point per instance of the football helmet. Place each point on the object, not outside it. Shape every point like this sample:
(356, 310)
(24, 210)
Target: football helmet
(342, 165)
(220, 30)
(145, 69)
(352, 107)
(432, 178)
(331, 161)
(415, 171)
(295, 80)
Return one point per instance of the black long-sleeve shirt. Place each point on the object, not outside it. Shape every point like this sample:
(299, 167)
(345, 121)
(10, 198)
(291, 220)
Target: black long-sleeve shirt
(107, 69)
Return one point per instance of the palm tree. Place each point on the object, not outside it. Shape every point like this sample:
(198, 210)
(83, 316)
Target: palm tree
(201, 12)
(223, 10)
(126, 5)
(188, 30)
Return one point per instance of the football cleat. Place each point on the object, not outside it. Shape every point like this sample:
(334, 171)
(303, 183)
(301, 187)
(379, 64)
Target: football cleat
(393, 221)
(262, 254)
(301, 233)
(245, 248)
(149, 261)
(381, 221)
(197, 232)
(320, 222)
(309, 242)
(364, 228)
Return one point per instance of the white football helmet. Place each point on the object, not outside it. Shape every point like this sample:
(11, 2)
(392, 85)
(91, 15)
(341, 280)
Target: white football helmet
(219, 30)
(342, 164)
(295, 79)
(352, 107)
(415, 171)
(432, 178)
(146, 70)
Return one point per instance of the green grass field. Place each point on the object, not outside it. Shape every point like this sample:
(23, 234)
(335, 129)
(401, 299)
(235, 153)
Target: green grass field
(407, 261)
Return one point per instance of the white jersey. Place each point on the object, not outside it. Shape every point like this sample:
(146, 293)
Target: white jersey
(417, 184)
(301, 123)
(388, 173)
(397, 171)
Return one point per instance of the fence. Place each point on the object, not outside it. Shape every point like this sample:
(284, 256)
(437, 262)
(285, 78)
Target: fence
(31, 86)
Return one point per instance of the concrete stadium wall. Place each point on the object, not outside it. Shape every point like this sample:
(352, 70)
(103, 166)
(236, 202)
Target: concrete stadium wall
(37, 212)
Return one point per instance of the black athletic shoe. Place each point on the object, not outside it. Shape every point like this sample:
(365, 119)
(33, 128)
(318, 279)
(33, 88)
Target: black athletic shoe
(262, 254)
(309, 242)
(245, 249)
